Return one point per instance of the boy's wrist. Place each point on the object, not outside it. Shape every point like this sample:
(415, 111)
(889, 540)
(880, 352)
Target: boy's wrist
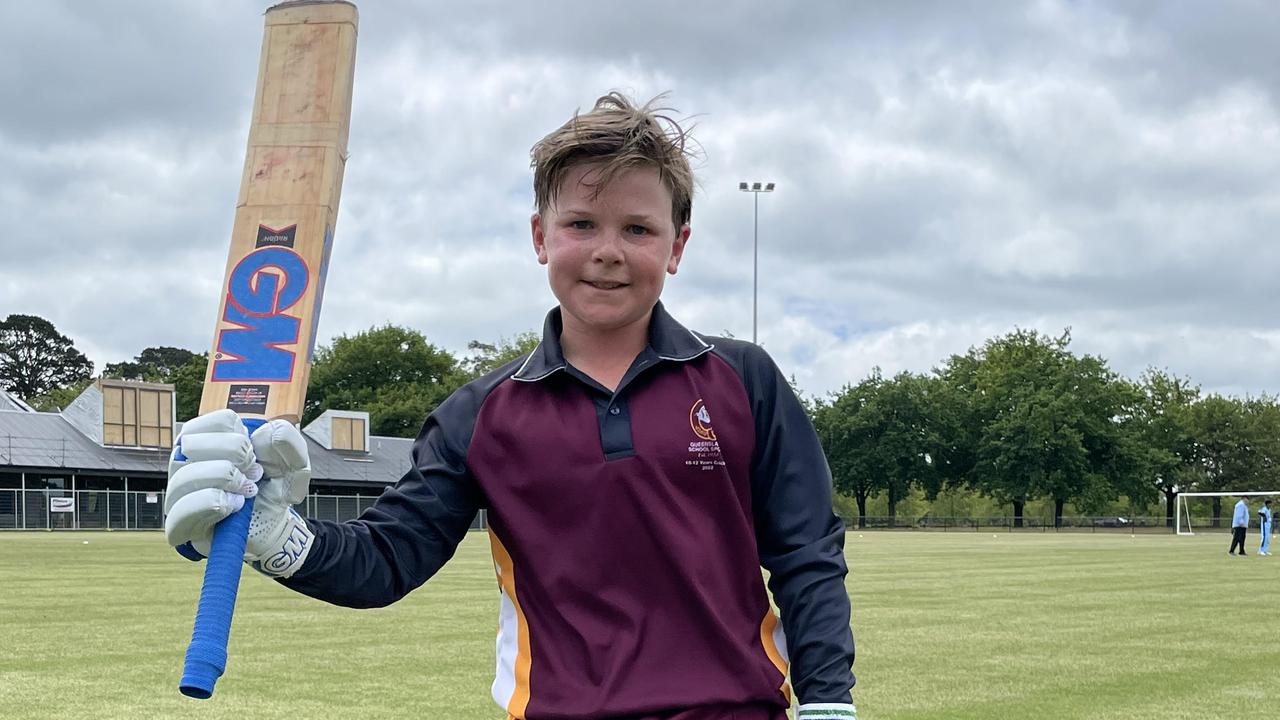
(826, 711)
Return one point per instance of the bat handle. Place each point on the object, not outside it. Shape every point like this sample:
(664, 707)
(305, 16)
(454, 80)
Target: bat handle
(207, 654)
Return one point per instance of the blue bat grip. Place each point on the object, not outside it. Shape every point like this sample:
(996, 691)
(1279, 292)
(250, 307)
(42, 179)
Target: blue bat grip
(207, 653)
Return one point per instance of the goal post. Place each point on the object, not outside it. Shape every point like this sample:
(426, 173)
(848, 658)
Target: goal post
(1184, 517)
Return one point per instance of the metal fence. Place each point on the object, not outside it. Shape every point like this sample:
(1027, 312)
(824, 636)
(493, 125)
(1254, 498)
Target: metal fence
(137, 510)
(80, 510)
(140, 510)
(1088, 524)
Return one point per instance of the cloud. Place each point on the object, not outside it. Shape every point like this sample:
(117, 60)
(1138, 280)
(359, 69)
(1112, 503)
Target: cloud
(945, 171)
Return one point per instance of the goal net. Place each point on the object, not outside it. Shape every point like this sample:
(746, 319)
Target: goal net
(1194, 510)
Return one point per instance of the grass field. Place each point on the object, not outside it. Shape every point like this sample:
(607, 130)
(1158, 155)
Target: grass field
(956, 625)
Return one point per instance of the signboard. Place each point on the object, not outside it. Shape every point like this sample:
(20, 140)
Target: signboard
(62, 504)
(153, 498)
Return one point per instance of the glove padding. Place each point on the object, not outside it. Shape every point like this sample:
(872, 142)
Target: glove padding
(215, 465)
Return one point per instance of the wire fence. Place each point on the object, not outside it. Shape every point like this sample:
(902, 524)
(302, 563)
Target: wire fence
(1086, 524)
(140, 510)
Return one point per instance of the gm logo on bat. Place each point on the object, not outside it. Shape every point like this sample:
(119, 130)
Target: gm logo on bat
(262, 287)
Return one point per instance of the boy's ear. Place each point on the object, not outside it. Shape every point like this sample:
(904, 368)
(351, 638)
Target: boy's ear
(539, 238)
(677, 249)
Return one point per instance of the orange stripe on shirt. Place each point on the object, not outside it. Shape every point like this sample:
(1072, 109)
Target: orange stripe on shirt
(507, 579)
(771, 649)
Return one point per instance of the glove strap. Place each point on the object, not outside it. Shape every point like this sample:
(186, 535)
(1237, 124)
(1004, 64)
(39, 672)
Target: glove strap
(826, 711)
(296, 540)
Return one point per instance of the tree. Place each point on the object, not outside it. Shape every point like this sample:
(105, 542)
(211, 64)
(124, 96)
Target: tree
(154, 364)
(487, 357)
(1039, 421)
(956, 421)
(1006, 390)
(846, 428)
(60, 397)
(188, 385)
(1237, 445)
(1263, 414)
(391, 372)
(1217, 424)
(909, 437)
(1167, 435)
(1106, 415)
(35, 358)
(878, 437)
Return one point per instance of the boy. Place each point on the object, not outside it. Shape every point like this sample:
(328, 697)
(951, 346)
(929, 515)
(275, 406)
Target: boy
(637, 476)
(1264, 526)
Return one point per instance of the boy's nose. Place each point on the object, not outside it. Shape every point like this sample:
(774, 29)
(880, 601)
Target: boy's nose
(609, 249)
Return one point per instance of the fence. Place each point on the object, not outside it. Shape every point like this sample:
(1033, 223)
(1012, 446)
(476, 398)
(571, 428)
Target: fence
(139, 510)
(136, 510)
(1086, 524)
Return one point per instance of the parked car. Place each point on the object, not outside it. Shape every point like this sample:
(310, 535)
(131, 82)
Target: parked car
(1114, 521)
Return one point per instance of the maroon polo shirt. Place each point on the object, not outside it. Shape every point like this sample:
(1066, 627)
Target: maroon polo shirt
(628, 531)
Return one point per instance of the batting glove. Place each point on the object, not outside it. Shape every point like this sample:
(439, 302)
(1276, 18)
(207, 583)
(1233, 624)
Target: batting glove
(215, 465)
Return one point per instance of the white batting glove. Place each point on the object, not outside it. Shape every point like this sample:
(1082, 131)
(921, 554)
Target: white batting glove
(222, 466)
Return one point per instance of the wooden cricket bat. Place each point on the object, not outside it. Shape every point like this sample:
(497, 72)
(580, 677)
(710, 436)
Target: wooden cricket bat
(283, 232)
(274, 283)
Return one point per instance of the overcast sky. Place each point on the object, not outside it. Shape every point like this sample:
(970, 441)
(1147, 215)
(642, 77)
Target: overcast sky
(946, 172)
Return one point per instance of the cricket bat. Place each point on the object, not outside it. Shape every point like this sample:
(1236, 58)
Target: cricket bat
(274, 282)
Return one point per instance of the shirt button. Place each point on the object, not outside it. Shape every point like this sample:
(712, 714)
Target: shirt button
(614, 410)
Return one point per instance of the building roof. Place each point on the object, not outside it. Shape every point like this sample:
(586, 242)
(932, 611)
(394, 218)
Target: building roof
(9, 401)
(386, 462)
(46, 440)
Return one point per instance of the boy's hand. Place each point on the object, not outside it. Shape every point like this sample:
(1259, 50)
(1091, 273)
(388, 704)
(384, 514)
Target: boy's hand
(215, 465)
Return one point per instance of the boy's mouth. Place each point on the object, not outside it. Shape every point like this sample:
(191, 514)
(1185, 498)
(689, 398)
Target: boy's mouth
(602, 285)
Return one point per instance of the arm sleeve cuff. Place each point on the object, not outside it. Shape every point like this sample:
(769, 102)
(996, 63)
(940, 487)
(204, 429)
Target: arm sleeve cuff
(826, 711)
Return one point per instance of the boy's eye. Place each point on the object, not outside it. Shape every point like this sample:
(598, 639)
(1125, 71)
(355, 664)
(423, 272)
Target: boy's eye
(581, 224)
(637, 230)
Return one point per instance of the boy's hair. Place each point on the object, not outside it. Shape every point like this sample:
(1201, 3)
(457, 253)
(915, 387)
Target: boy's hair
(620, 136)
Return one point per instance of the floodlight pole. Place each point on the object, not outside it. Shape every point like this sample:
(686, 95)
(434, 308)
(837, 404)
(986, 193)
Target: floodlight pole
(755, 189)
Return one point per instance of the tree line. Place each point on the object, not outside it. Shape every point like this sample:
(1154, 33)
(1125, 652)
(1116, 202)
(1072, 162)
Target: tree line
(1021, 418)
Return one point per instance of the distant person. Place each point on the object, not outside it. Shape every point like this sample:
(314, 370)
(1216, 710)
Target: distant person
(1264, 526)
(1239, 523)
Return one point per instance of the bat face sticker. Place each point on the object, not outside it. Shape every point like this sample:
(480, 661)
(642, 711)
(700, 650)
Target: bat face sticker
(261, 290)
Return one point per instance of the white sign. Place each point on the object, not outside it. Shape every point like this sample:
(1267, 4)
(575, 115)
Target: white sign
(153, 498)
(63, 504)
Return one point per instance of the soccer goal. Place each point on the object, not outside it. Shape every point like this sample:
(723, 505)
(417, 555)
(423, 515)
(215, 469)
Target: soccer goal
(1194, 509)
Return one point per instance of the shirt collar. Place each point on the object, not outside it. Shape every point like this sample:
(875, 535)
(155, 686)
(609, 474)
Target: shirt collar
(668, 339)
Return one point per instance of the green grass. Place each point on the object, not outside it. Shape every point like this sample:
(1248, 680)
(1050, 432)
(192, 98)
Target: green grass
(955, 625)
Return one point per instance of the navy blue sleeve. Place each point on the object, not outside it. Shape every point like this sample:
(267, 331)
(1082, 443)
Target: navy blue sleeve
(412, 529)
(799, 537)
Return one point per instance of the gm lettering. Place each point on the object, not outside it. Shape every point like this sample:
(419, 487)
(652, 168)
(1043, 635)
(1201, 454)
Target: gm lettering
(262, 288)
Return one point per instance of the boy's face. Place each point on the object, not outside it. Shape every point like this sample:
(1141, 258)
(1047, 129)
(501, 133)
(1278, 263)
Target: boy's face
(607, 256)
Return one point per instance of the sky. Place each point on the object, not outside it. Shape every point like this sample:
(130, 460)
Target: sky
(946, 172)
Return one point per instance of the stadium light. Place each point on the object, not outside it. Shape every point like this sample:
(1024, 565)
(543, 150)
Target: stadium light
(755, 189)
